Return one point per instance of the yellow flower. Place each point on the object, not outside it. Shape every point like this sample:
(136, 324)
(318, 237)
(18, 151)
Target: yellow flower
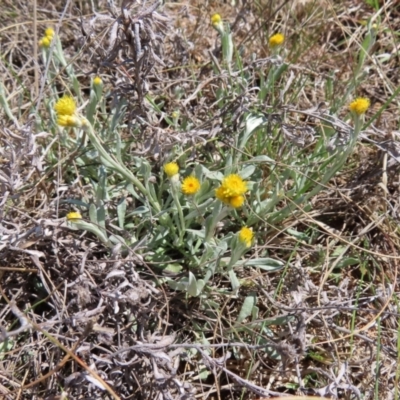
(74, 215)
(49, 32)
(97, 81)
(220, 195)
(45, 42)
(216, 22)
(276, 40)
(359, 105)
(69, 121)
(233, 185)
(236, 201)
(171, 169)
(65, 106)
(216, 19)
(190, 185)
(246, 236)
(231, 191)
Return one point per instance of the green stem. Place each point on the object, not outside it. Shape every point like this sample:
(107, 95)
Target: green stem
(116, 166)
(218, 214)
(182, 230)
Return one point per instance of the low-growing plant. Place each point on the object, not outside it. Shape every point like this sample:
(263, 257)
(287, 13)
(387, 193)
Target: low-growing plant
(195, 213)
(194, 186)
(190, 216)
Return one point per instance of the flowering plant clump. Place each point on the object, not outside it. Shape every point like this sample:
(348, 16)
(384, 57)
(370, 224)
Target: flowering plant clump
(276, 40)
(171, 169)
(74, 215)
(231, 191)
(360, 105)
(246, 236)
(190, 185)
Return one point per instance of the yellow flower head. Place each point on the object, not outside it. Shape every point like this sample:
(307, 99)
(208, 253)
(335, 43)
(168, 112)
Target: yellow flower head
(216, 19)
(74, 215)
(220, 195)
(70, 121)
(190, 185)
(246, 236)
(171, 169)
(359, 105)
(233, 185)
(216, 22)
(97, 81)
(276, 40)
(231, 191)
(45, 42)
(65, 106)
(236, 201)
(49, 32)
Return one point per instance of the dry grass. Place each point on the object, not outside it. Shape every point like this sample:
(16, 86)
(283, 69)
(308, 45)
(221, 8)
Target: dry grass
(81, 320)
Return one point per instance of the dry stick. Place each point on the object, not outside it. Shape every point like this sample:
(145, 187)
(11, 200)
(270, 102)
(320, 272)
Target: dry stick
(30, 270)
(23, 380)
